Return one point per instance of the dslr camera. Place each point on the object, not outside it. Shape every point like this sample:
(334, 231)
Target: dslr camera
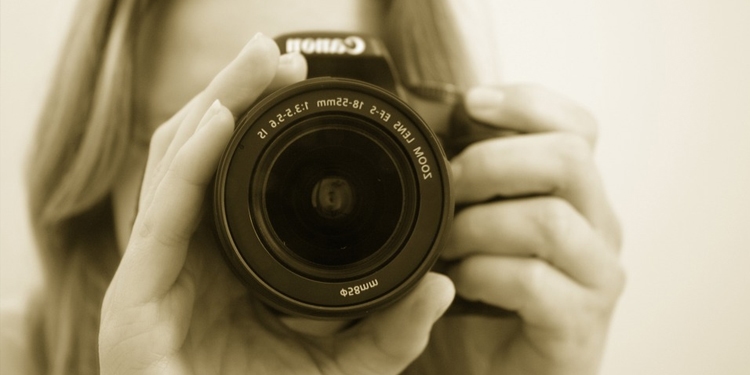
(333, 198)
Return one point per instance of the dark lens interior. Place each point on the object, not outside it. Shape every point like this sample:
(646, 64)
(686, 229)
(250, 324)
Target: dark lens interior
(333, 196)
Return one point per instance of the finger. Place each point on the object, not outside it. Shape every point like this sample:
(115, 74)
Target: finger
(237, 86)
(391, 339)
(545, 227)
(529, 109)
(292, 69)
(538, 292)
(160, 141)
(156, 253)
(557, 164)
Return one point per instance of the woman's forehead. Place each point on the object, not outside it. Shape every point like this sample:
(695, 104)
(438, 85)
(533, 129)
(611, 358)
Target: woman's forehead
(187, 42)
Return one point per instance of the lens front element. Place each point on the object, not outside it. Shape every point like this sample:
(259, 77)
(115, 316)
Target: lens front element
(334, 196)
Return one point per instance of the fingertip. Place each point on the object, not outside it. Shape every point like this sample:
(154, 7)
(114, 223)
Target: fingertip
(439, 293)
(245, 78)
(398, 334)
(292, 68)
(260, 41)
(425, 304)
(261, 53)
(292, 60)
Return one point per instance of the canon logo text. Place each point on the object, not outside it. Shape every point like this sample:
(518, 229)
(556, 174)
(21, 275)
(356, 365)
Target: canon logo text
(351, 45)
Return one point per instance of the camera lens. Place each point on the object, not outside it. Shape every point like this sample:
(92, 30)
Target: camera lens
(332, 199)
(335, 192)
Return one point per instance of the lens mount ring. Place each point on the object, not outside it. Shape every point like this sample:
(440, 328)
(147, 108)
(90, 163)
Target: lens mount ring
(236, 201)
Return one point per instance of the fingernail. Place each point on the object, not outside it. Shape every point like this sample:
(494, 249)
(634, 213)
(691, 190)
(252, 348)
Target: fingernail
(289, 58)
(211, 112)
(484, 104)
(214, 108)
(253, 40)
(482, 97)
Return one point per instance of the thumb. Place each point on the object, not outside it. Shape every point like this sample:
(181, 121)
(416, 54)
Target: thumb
(388, 341)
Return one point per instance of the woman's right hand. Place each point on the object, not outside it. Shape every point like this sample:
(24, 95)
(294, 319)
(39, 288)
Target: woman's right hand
(174, 307)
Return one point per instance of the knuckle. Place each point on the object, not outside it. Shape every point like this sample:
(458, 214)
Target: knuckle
(465, 276)
(605, 297)
(619, 280)
(529, 94)
(470, 226)
(462, 231)
(530, 97)
(616, 235)
(150, 234)
(168, 239)
(554, 222)
(182, 171)
(577, 119)
(477, 156)
(573, 154)
(461, 274)
(588, 126)
(533, 278)
(572, 148)
(580, 121)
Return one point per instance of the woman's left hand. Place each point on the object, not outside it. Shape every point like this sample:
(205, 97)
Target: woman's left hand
(538, 237)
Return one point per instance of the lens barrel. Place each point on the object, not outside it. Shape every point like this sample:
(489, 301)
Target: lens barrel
(332, 199)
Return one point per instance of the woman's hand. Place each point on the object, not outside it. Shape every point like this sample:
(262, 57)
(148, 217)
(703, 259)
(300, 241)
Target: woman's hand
(173, 307)
(538, 237)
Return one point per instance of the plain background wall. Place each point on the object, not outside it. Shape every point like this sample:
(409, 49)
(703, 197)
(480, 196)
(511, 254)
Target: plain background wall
(669, 82)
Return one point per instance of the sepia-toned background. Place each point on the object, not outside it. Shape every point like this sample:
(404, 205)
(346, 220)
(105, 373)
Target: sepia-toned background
(669, 82)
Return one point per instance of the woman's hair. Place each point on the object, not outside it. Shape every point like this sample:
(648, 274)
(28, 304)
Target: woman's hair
(85, 131)
(438, 42)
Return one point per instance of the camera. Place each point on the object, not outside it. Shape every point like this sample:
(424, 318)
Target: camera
(333, 198)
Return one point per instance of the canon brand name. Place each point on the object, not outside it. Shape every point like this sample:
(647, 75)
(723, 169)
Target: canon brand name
(351, 45)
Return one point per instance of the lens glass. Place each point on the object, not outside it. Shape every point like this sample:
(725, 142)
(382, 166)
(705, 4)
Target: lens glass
(334, 195)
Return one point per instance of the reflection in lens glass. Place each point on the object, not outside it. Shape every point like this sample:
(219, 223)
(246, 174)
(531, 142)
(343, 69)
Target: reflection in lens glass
(333, 197)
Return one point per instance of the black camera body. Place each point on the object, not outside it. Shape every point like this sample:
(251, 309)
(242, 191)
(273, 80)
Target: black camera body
(333, 198)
